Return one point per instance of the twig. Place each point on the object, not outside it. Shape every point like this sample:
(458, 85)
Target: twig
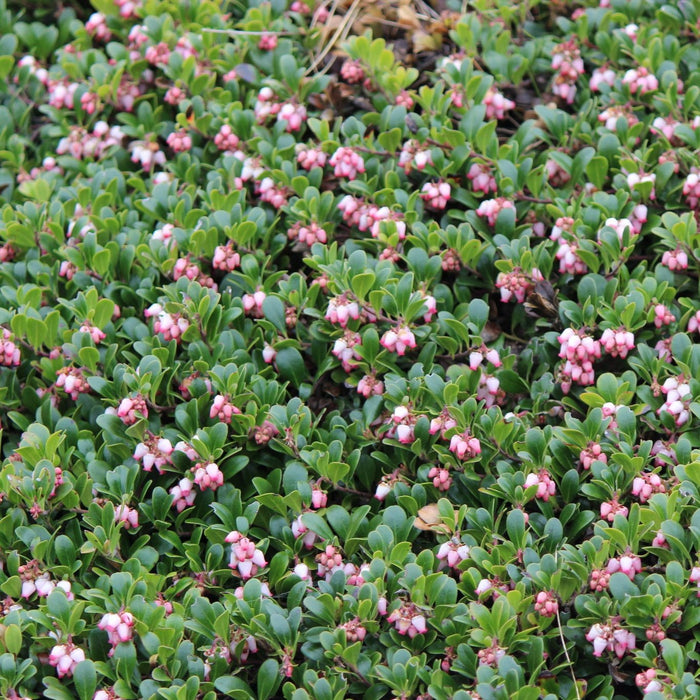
(247, 32)
(340, 34)
(566, 654)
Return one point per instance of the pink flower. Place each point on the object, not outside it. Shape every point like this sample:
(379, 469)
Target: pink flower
(65, 657)
(617, 342)
(347, 163)
(482, 179)
(398, 340)
(408, 620)
(546, 487)
(497, 104)
(126, 515)
(131, 409)
(183, 494)
(436, 194)
(465, 446)
(676, 259)
(245, 556)
(452, 553)
(341, 310)
(546, 604)
(207, 475)
(491, 208)
(223, 409)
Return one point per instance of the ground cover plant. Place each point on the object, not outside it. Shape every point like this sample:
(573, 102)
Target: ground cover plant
(349, 350)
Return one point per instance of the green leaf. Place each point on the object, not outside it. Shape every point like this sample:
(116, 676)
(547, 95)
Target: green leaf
(674, 657)
(269, 679)
(13, 639)
(362, 283)
(291, 366)
(85, 679)
(273, 308)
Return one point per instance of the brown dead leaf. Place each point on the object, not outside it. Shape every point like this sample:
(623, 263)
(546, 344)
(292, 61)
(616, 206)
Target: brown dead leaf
(428, 519)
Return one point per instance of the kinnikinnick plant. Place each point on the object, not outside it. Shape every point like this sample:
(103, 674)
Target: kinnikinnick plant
(349, 350)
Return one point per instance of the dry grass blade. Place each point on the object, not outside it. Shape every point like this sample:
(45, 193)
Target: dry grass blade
(340, 34)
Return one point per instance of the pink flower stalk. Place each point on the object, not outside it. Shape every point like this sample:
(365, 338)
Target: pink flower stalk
(408, 620)
(491, 208)
(567, 61)
(609, 509)
(569, 260)
(253, 303)
(647, 484)
(634, 179)
(694, 322)
(436, 194)
(96, 27)
(147, 154)
(119, 628)
(579, 352)
(398, 340)
(452, 553)
(131, 409)
(489, 390)
(352, 72)
(165, 234)
(600, 578)
(319, 498)
(267, 42)
(183, 494)
(65, 657)
(300, 530)
(9, 352)
(517, 284)
(369, 385)
(310, 157)
(676, 259)
(207, 475)
(591, 453)
(610, 637)
(546, 603)
(174, 95)
(72, 381)
(546, 487)
(663, 316)
(170, 326)
(442, 479)
(184, 267)
(497, 104)
(226, 139)
(292, 116)
(354, 631)
(404, 99)
(307, 234)
(617, 343)
(403, 423)
(262, 434)
(647, 682)
(106, 694)
(482, 179)
(341, 310)
(640, 80)
(601, 76)
(245, 556)
(491, 655)
(611, 115)
(465, 446)
(628, 563)
(442, 423)
(126, 515)
(223, 409)
(678, 398)
(414, 154)
(158, 54)
(226, 258)
(347, 163)
(266, 105)
(691, 187)
(154, 452)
